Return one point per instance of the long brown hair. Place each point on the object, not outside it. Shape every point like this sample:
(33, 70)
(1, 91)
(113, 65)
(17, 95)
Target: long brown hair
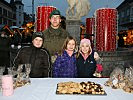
(64, 47)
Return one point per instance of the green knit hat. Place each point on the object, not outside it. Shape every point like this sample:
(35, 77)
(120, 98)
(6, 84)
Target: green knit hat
(55, 12)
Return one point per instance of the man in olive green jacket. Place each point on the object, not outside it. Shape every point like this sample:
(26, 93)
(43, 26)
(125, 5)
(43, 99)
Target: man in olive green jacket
(54, 35)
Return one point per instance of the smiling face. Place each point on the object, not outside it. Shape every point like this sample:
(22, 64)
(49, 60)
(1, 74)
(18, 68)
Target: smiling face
(55, 21)
(85, 48)
(37, 42)
(71, 45)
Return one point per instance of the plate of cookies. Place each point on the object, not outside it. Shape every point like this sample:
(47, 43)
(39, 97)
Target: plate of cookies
(90, 88)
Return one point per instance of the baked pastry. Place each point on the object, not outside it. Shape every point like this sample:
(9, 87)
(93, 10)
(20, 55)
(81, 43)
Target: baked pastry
(79, 88)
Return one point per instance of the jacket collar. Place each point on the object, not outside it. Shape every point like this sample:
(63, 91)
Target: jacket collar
(35, 47)
(85, 57)
(54, 31)
(66, 54)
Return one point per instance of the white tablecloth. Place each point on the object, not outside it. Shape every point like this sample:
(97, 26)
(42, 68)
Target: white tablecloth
(45, 88)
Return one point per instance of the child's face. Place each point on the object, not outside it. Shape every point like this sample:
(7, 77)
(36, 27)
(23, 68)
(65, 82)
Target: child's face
(37, 42)
(71, 45)
(85, 48)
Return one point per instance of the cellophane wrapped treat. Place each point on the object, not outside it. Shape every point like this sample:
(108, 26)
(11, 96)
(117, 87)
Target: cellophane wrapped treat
(121, 79)
(22, 78)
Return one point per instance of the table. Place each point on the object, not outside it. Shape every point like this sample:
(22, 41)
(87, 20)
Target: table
(45, 88)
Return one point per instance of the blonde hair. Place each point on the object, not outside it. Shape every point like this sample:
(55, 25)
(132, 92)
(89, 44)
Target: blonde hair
(79, 51)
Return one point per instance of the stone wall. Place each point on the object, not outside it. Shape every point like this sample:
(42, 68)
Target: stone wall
(110, 60)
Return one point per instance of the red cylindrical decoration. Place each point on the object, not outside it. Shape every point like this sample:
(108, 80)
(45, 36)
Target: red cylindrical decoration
(42, 16)
(106, 29)
(90, 25)
(90, 28)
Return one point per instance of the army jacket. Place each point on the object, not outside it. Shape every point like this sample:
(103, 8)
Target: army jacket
(54, 39)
